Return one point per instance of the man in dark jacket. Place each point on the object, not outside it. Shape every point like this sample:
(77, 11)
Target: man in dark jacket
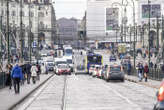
(28, 72)
(16, 74)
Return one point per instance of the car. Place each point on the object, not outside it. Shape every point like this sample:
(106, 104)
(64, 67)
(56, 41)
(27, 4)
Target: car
(91, 69)
(63, 69)
(160, 98)
(97, 71)
(50, 65)
(114, 72)
(59, 61)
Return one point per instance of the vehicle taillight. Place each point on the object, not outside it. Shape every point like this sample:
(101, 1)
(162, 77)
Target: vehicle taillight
(161, 94)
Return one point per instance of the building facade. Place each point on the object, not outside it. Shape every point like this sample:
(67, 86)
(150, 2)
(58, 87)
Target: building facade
(156, 12)
(67, 30)
(106, 19)
(38, 16)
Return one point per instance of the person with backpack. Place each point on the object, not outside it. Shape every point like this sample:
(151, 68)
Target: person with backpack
(17, 76)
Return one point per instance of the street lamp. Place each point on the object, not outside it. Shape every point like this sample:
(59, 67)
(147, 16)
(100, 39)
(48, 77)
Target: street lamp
(8, 48)
(149, 29)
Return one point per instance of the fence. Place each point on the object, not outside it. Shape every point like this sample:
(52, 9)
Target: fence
(2, 80)
(154, 74)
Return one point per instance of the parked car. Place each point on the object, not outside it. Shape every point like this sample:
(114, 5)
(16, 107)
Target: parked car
(114, 72)
(63, 69)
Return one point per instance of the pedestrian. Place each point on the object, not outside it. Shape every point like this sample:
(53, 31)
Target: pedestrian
(140, 71)
(17, 76)
(38, 71)
(8, 75)
(34, 73)
(43, 69)
(146, 71)
(23, 67)
(129, 68)
(28, 72)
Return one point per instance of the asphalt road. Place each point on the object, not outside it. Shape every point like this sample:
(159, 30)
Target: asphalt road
(82, 92)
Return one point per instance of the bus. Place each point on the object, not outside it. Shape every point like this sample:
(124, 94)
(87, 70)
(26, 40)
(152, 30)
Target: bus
(93, 59)
(68, 51)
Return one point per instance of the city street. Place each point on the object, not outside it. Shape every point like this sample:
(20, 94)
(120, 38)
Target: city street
(82, 92)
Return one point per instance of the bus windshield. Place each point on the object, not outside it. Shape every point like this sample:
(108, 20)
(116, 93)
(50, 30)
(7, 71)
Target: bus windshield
(94, 59)
(68, 51)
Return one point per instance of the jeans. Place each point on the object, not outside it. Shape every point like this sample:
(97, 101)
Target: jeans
(140, 76)
(28, 78)
(17, 85)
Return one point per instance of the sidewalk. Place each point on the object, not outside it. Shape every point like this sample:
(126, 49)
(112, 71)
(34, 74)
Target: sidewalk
(150, 83)
(9, 99)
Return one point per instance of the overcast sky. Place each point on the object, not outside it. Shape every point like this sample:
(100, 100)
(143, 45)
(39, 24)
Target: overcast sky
(70, 8)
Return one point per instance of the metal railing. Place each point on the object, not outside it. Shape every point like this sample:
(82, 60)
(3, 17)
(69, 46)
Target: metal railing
(154, 74)
(2, 80)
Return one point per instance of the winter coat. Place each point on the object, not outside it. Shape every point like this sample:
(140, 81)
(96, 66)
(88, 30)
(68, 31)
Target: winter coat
(34, 71)
(146, 69)
(17, 72)
(28, 68)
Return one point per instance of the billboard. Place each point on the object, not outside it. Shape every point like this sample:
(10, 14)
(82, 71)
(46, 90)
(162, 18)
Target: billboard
(155, 10)
(112, 15)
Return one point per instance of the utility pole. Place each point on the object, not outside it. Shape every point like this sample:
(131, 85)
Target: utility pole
(149, 30)
(30, 30)
(163, 39)
(157, 33)
(134, 46)
(1, 39)
(8, 38)
(21, 30)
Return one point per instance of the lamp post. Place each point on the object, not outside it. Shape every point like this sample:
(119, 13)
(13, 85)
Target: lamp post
(8, 42)
(149, 30)
(21, 30)
(30, 39)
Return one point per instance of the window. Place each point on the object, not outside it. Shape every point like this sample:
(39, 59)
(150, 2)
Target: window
(2, 12)
(41, 14)
(31, 14)
(23, 14)
(13, 13)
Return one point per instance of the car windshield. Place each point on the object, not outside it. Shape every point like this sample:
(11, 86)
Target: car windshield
(68, 51)
(50, 64)
(115, 68)
(61, 62)
(69, 61)
(62, 66)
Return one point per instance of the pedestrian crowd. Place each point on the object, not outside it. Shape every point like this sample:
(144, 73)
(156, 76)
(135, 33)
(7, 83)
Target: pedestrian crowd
(18, 74)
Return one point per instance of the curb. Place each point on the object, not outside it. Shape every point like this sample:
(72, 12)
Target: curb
(142, 83)
(32, 91)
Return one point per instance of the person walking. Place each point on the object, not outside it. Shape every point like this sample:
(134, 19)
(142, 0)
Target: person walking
(146, 71)
(28, 72)
(8, 74)
(43, 69)
(129, 68)
(17, 75)
(140, 71)
(34, 73)
(38, 71)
